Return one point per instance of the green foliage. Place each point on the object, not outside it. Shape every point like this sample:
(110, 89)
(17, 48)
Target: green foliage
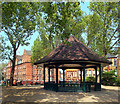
(108, 78)
(90, 79)
(117, 82)
(18, 24)
(102, 27)
(59, 19)
(40, 49)
(55, 25)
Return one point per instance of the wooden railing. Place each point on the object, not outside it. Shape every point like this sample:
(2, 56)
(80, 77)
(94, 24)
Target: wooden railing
(65, 87)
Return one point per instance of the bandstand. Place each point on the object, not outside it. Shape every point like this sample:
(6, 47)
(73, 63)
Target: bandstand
(74, 56)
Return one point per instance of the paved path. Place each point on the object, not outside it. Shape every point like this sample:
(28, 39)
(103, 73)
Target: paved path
(38, 94)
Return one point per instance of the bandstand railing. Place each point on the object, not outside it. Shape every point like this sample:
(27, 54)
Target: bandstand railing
(65, 87)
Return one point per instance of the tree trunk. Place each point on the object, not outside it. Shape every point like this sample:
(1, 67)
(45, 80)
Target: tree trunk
(104, 51)
(13, 68)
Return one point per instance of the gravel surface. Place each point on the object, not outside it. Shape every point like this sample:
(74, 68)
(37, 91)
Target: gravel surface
(38, 94)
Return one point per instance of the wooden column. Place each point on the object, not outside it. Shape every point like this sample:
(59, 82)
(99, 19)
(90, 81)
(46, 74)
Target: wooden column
(63, 77)
(56, 77)
(84, 78)
(99, 88)
(80, 75)
(44, 74)
(49, 75)
(95, 78)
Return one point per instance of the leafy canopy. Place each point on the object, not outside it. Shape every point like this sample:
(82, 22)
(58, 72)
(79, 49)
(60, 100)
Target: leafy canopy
(18, 24)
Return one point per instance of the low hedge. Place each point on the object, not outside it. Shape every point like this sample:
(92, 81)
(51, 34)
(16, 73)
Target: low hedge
(90, 79)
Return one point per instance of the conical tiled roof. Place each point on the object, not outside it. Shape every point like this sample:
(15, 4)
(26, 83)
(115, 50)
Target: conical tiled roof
(77, 51)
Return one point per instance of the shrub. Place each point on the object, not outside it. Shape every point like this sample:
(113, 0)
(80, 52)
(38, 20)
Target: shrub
(108, 78)
(117, 82)
(90, 79)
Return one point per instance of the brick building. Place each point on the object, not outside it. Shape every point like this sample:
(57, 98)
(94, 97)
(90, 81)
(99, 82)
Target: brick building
(115, 64)
(27, 73)
(74, 74)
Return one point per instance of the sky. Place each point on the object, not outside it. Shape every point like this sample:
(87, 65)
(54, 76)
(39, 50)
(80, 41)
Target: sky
(36, 34)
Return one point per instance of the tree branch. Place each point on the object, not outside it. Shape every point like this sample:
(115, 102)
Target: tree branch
(114, 44)
(8, 34)
(113, 35)
(18, 45)
(10, 58)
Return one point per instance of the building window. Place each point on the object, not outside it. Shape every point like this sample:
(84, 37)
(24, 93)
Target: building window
(67, 74)
(34, 67)
(105, 70)
(34, 71)
(93, 72)
(79, 72)
(89, 71)
(37, 71)
(115, 62)
(71, 74)
(110, 69)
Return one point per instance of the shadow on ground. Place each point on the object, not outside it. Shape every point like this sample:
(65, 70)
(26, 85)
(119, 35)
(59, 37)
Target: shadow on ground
(29, 94)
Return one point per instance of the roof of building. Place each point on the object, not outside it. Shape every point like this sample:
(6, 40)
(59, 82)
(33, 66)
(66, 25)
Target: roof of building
(111, 55)
(76, 51)
(28, 52)
(19, 57)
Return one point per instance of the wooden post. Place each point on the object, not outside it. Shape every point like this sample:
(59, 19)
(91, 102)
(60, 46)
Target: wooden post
(56, 77)
(49, 75)
(95, 78)
(63, 77)
(100, 74)
(80, 75)
(44, 74)
(95, 74)
(100, 77)
(84, 89)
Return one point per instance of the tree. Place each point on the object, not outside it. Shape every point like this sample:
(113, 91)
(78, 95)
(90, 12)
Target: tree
(102, 27)
(18, 24)
(61, 19)
(40, 49)
(71, 20)
(57, 22)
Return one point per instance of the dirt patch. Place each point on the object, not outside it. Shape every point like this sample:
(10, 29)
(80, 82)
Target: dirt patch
(38, 94)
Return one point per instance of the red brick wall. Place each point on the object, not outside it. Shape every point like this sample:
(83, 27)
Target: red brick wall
(26, 72)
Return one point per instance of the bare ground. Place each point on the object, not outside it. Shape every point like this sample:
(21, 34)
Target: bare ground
(38, 94)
